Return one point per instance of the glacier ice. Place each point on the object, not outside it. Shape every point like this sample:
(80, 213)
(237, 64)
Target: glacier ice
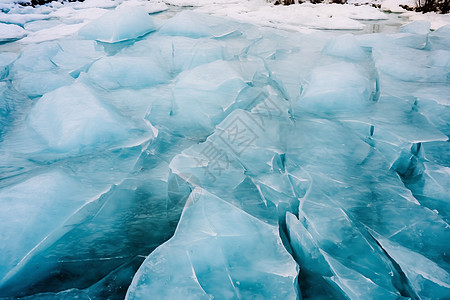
(185, 155)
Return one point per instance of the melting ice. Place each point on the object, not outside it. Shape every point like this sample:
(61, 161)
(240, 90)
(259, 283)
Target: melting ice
(197, 157)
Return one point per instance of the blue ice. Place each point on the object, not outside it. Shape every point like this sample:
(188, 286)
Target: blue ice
(184, 155)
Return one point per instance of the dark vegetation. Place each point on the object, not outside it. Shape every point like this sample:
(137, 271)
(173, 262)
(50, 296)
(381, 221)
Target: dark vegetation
(441, 6)
(424, 6)
(289, 2)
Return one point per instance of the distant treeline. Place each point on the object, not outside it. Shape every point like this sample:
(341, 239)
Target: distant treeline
(441, 6)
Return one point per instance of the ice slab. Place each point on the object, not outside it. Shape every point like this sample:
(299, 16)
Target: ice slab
(329, 92)
(426, 278)
(417, 27)
(21, 19)
(40, 83)
(11, 32)
(195, 25)
(179, 53)
(126, 72)
(217, 251)
(72, 119)
(29, 215)
(6, 58)
(440, 39)
(345, 46)
(201, 97)
(120, 25)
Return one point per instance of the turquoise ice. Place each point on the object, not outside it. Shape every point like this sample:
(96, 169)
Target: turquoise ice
(192, 156)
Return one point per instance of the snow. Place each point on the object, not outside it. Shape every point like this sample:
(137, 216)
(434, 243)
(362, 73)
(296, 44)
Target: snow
(300, 17)
(297, 17)
(437, 21)
(394, 5)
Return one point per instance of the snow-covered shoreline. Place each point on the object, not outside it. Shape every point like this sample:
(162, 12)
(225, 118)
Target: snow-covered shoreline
(64, 19)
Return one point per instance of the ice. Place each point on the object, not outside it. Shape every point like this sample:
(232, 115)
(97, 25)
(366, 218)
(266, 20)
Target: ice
(30, 83)
(345, 46)
(440, 39)
(417, 27)
(11, 32)
(196, 25)
(328, 88)
(72, 119)
(21, 19)
(6, 58)
(427, 279)
(120, 25)
(11, 103)
(52, 33)
(316, 162)
(29, 216)
(36, 58)
(180, 53)
(354, 284)
(75, 57)
(218, 251)
(117, 72)
(201, 97)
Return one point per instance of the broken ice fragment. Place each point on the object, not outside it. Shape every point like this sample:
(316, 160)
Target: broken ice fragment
(120, 25)
(329, 92)
(127, 72)
(11, 32)
(426, 278)
(72, 119)
(217, 251)
(196, 25)
(345, 46)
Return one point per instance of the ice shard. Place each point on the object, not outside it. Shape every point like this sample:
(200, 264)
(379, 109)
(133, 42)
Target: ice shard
(218, 251)
(125, 23)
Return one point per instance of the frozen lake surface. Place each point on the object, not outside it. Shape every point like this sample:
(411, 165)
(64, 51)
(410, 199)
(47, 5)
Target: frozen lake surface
(183, 155)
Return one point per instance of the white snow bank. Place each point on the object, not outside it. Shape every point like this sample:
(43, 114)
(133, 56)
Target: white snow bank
(147, 6)
(436, 20)
(70, 15)
(394, 5)
(306, 15)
